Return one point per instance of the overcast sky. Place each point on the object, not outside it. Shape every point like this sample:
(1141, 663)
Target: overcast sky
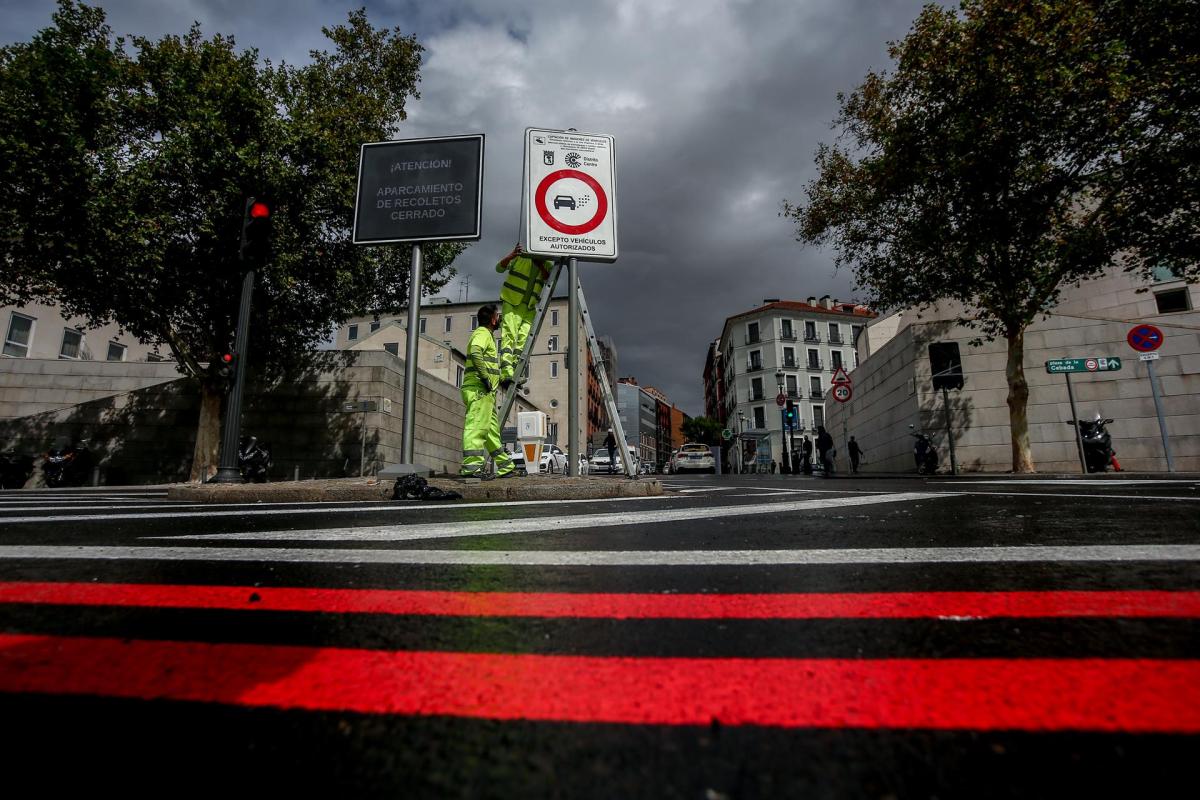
(717, 107)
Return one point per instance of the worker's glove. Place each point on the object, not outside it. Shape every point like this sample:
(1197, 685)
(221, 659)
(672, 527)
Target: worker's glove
(488, 388)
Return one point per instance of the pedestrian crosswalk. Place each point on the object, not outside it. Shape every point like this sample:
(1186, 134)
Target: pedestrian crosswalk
(637, 628)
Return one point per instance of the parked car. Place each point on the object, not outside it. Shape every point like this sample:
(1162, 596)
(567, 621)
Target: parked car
(600, 460)
(553, 461)
(693, 457)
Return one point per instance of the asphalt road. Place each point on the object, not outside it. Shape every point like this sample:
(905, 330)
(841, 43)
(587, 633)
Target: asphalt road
(761, 636)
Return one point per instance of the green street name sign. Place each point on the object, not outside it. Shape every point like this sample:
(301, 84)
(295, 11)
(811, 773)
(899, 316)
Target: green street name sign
(1097, 364)
(727, 434)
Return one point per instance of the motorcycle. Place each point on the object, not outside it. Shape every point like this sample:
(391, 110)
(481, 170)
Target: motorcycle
(254, 459)
(15, 469)
(1098, 454)
(924, 454)
(67, 464)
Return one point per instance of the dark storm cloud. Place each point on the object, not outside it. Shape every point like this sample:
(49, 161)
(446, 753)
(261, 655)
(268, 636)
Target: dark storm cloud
(717, 107)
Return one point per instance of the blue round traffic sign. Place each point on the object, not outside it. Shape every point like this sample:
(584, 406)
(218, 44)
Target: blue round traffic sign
(1145, 338)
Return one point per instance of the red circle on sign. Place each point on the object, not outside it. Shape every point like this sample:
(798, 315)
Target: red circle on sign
(1091, 365)
(1145, 338)
(539, 199)
(781, 400)
(842, 392)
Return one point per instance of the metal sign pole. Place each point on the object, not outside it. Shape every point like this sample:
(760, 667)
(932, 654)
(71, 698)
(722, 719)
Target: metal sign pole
(1075, 424)
(949, 431)
(1158, 409)
(408, 429)
(229, 471)
(573, 368)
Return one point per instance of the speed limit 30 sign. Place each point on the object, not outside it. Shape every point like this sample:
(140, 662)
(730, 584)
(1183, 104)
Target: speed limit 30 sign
(570, 203)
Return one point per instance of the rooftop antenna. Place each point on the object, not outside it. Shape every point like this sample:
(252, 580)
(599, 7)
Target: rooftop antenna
(464, 291)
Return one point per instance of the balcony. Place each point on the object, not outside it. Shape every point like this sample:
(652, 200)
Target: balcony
(793, 393)
(816, 394)
(835, 338)
(755, 339)
(757, 397)
(753, 367)
(812, 337)
(788, 335)
(814, 366)
(789, 363)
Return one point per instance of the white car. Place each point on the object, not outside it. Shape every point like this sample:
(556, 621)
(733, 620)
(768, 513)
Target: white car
(600, 460)
(553, 461)
(694, 458)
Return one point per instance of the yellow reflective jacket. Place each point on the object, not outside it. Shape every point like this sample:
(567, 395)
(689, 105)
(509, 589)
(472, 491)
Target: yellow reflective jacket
(483, 363)
(523, 286)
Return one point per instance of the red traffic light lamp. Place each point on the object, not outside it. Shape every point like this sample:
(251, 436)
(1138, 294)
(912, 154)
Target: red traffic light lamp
(259, 209)
(256, 228)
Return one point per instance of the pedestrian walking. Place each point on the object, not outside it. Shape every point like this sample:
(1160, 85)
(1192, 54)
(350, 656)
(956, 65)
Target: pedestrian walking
(856, 455)
(481, 428)
(825, 450)
(611, 444)
(519, 298)
(808, 452)
(772, 466)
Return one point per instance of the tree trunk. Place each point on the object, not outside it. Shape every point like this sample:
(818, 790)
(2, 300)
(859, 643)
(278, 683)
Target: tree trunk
(207, 455)
(1018, 404)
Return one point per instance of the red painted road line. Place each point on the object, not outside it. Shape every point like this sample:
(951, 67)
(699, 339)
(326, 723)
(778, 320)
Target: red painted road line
(1109, 695)
(880, 605)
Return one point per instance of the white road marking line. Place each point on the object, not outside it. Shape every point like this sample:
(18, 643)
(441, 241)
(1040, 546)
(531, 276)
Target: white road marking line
(709, 489)
(1071, 482)
(449, 530)
(255, 509)
(615, 558)
(1146, 497)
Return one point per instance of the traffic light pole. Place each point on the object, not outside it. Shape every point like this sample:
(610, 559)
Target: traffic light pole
(229, 471)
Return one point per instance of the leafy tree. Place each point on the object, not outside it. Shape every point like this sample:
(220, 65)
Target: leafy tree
(703, 430)
(1016, 148)
(126, 164)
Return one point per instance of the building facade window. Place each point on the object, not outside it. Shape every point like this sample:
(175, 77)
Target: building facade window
(374, 325)
(352, 332)
(72, 345)
(835, 333)
(116, 351)
(814, 359)
(421, 329)
(393, 348)
(554, 317)
(760, 418)
(786, 329)
(19, 335)
(756, 389)
(835, 358)
(752, 336)
(755, 359)
(449, 324)
(793, 389)
(855, 332)
(552, 344)
(474, 322)
(810, 332)
(554, 368)
(789, 357)
(814, 386)
(818, 416)
(458, 376)
(1171, 301)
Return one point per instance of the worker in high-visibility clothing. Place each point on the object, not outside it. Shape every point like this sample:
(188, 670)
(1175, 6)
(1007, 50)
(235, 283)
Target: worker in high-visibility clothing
(519, 298)
(481, 428)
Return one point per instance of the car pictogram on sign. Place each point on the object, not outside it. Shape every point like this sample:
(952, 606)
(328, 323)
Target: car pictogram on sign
(564, 201)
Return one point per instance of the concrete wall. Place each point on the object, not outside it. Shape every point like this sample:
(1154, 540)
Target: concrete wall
(36, 385)
(147, 435)
(892, 388)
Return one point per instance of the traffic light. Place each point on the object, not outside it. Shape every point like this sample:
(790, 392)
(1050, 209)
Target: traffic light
(256, 228)
(789, 413)
(227, 366)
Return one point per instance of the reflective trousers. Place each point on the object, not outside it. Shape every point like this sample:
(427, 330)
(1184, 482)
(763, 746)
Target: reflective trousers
(515, 322)
(481, 434)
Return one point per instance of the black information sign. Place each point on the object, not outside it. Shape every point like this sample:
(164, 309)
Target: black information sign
(419, 190)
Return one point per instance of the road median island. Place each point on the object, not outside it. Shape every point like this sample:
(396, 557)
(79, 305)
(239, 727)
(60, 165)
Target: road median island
(371, 490)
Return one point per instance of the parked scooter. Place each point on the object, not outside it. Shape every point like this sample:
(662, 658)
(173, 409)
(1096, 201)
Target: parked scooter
(254, 459)
(1098, 454)
(15, 469)
(67, 464)
(924, 454)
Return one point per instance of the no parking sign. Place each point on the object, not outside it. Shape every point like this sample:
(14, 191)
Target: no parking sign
(570, 202)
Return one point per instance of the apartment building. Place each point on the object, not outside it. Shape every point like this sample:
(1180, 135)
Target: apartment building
(782, 346)
(547, 389)
(42, 332)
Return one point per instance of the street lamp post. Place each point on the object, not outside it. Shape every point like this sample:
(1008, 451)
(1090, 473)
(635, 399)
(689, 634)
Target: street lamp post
(741, 447)
(783, 447)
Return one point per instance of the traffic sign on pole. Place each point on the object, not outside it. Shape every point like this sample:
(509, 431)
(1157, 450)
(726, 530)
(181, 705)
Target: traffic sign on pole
(570, 201)
(1145, 338)
(1056, 366)
(780, 399)
(840, 377)
(842, 392)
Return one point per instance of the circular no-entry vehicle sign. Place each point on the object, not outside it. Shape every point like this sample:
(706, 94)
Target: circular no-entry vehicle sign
(1145, 338)
(571, 202)
(1091, 365)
